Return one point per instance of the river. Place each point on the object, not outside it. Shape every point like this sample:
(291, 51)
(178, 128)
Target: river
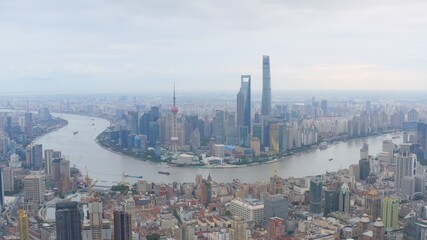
(108, 167)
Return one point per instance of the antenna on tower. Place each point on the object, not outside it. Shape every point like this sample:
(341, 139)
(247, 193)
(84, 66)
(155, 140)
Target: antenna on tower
(174, 98)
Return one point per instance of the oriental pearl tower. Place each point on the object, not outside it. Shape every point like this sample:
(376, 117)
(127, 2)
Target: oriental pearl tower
(174, 138)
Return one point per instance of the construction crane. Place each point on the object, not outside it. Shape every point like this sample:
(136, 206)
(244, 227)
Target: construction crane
(89, 182)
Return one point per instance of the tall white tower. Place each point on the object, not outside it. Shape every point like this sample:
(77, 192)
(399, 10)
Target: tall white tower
(174, 110)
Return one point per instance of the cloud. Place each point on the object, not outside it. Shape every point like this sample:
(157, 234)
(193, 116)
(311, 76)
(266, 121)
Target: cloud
(209, 44)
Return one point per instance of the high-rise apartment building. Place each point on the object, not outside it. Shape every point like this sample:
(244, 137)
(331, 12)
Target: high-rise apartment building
(390, 212)
(95, 217)
(406, 165)
(276, 228)
(238, 229)
(266, 87)
(67, 218)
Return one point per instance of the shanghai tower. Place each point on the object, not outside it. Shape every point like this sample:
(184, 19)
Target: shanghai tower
(266, 87)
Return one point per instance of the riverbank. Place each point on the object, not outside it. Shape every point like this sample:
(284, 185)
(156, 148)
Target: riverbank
(264, 160)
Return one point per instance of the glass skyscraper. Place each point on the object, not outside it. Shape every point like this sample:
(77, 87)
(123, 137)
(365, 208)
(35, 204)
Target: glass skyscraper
(316, 195)
(244, 104)
(266, 87)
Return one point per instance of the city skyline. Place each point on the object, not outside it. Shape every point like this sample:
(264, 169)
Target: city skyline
(108, 47)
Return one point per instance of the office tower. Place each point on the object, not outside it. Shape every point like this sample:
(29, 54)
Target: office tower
(155, 112)
(174, 110)
(373, 204)
(238, 229)
(56, 170)
(364, 165)
(195, 138)
(95, 217)
(133, 122)
(244, 136)
(324, 106)
(28, 124)
(14, 161)
(275, 206)
(144, 122)
(412, 115)
(64, 181)
(276, 228)
(1, 188)
(122, 225)
(129, 207)
(34, 188)
(344, 199)
(265, 131)
(244, 104)
(283, 138)
(364, 168)
(219, 150)
(48, 158)
(266, 87)
(407, 186)
(420, 183)
(421, 224)
(390, 212)
(257, 131)
(316, 195)
(67, 219)
(205, 192)
(8, 179)
(406, 165)
(23, 225)
(364, 151)
(388, 148)
(218, 127)
(124, 137)
(37, 157)
(28, 156)
(331, 201)
(162, 130)
(153, 135)
(274, 138)
(231, 138)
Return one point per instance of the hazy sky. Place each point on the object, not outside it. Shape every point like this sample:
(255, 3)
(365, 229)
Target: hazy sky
(140, 46)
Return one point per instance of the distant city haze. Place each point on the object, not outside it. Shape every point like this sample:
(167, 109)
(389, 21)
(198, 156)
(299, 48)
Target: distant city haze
(143, 46)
